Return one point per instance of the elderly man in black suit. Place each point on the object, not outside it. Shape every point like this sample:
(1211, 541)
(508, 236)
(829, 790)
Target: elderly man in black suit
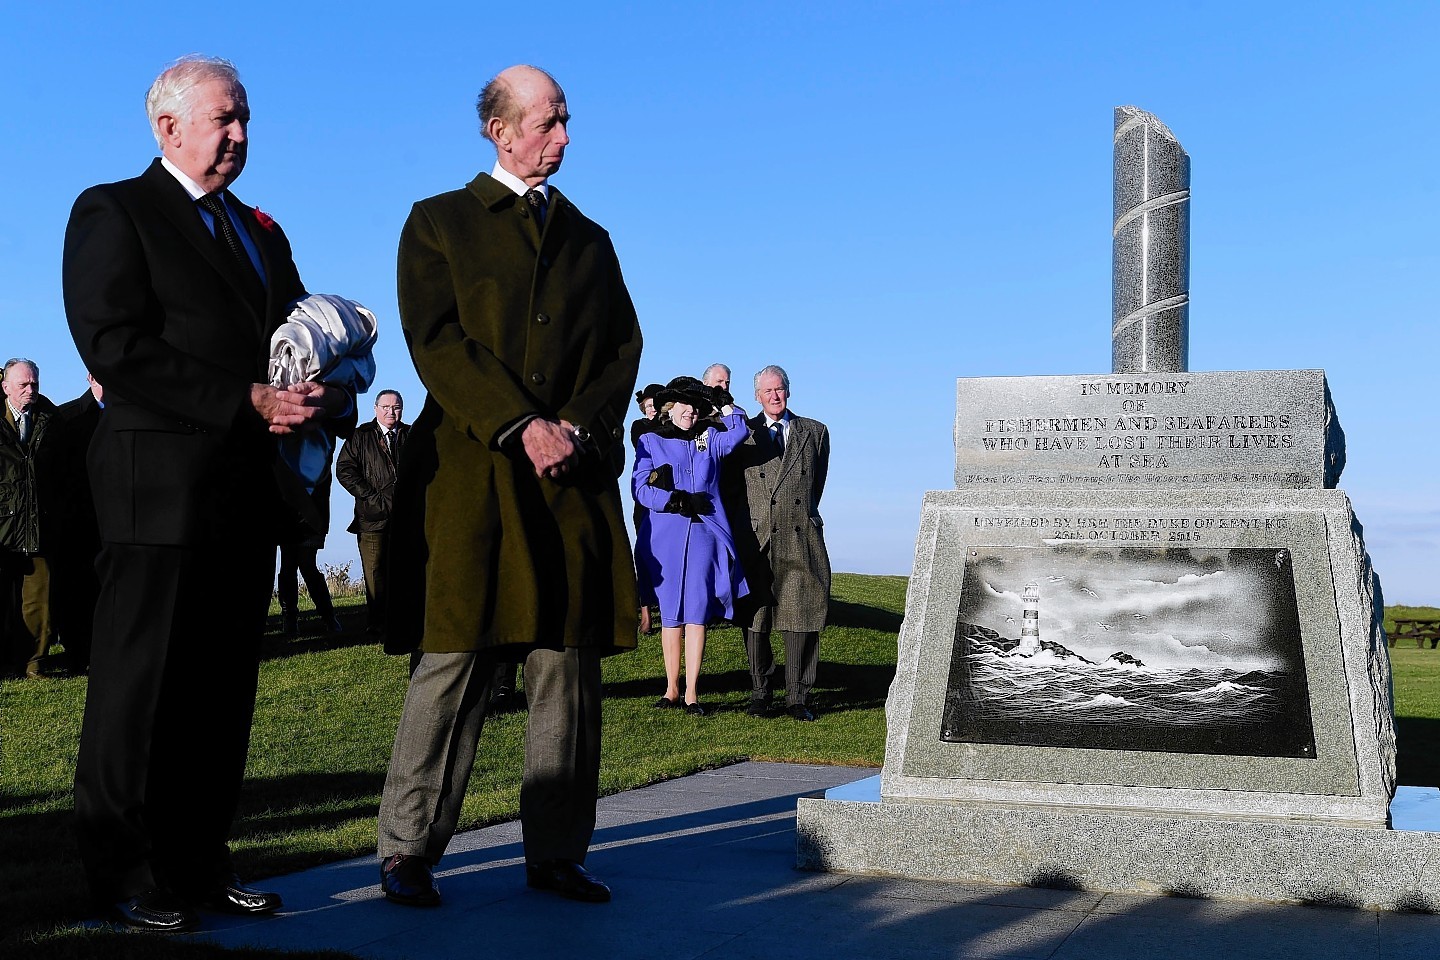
(366, 468)
(172, 289)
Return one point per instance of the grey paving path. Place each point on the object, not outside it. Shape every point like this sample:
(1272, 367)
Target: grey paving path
(704, 867)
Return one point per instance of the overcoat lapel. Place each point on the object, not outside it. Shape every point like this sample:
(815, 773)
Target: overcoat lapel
(799, 437)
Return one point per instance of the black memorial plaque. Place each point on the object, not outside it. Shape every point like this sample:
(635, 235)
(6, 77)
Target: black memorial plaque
(1179, 650)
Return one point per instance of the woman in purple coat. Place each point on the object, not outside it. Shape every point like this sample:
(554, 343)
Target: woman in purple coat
(684, 541)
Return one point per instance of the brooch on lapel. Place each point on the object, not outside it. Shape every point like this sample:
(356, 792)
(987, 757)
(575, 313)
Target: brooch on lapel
(702, 441)
(265, 220)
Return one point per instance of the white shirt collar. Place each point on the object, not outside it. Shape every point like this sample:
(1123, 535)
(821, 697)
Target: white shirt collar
(518, 185)
(191, 187)
(784, 420)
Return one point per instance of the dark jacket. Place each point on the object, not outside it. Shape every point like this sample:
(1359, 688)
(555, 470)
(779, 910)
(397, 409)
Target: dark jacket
(504, 324)
(77, 529)
(364, 469)
(25, 492)
(164, 317)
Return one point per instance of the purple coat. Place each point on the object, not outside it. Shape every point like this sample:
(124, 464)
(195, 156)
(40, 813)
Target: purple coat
(691, 564)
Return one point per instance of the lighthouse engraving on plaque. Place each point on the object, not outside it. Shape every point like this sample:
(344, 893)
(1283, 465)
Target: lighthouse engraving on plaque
(1142, 646)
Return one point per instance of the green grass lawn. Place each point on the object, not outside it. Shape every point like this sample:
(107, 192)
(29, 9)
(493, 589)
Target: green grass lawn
(326, 717)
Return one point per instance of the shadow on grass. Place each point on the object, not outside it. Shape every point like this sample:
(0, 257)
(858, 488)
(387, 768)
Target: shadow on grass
(841, 686)
(274, 646)
(863, 616)
(45, 885)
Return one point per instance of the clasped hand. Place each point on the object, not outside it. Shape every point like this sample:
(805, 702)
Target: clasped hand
(298, 407)
(551, 447)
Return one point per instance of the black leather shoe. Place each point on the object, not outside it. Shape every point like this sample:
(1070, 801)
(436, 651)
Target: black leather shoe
(800, 712)
(409, 880)
(760, 708)
(665, 703)
(234, 897)
(567, 878)
(696, 709)
(155, 911)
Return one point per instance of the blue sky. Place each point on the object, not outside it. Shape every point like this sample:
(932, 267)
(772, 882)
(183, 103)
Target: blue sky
(880, 197)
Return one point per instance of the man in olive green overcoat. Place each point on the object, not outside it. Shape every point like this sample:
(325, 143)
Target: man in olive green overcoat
(508, 536)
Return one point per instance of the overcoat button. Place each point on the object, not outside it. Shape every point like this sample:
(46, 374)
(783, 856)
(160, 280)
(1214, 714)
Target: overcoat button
(524, 213)
(615, 433)
(545, 262)
(772, 503)
(542, 318)
(537, 378)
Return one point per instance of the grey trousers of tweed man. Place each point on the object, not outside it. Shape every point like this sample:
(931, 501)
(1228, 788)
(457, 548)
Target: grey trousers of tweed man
(440, 729)
(802, 658)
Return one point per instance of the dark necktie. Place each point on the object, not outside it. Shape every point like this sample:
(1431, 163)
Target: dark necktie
(24, 427)
(777, 437)
(390, 445)
(536, 199)
(225, 231)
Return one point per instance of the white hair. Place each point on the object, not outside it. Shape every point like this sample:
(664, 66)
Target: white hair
(776, 371)
(170, 93)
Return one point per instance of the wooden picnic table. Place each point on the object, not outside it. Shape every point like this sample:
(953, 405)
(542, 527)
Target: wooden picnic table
(1421, 630)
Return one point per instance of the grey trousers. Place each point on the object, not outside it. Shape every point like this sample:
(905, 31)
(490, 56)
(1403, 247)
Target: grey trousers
(802, 658)
(435, 750)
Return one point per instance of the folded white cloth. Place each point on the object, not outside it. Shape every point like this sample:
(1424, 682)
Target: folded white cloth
(328, 338)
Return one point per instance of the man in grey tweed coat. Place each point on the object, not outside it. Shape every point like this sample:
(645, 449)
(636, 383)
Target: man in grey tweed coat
(781, 541)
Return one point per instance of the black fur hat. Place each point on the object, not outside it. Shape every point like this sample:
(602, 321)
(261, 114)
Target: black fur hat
(688, 390)
(649, 391)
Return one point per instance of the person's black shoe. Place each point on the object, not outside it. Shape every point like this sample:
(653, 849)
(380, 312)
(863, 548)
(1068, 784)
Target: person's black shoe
(760, 708)
(567, 878)
(409, 880)
(155, 911)
(507, 701)
(232, 896)
(289, 626)
(800, 712)
(665, 703)
(331, 624)
(696, 710)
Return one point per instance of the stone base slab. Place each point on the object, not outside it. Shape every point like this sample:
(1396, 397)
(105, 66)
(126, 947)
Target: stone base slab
(1273, 861)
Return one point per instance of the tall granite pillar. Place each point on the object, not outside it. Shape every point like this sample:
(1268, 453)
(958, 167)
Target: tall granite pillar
(1150, 331)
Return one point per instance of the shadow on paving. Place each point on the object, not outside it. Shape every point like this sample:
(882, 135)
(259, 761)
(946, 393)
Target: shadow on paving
(1417, 751)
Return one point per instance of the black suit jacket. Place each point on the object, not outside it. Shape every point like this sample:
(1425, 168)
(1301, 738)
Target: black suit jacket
(163, 317)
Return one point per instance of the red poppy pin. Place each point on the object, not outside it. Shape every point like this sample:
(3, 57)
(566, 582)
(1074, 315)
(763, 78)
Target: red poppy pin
(264, 219)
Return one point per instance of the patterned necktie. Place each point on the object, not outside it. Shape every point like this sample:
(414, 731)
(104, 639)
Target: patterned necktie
(225, 231)
(390, 445)
(777, 437)
(24, 427)
(536, 199)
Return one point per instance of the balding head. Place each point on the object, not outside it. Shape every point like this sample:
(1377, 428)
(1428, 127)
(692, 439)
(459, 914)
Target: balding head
(523, 112)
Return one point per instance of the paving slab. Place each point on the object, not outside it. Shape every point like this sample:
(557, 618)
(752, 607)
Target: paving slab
(704, 867)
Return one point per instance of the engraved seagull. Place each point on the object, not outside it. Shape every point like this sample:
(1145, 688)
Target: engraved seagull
(1139, 616)
(1107, 626)
(1090, 593)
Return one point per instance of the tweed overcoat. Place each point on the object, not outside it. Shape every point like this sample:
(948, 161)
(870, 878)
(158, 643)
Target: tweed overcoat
(778, 530)
(504, 324)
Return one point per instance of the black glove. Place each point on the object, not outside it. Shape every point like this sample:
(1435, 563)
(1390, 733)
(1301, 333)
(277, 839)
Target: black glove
(721, 397)
(662, 477)
(690, 505)
(680, 503)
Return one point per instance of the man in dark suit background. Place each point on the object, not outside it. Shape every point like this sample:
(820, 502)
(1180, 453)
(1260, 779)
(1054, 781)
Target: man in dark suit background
(172, 289)
(366, 468)
(780, 537)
